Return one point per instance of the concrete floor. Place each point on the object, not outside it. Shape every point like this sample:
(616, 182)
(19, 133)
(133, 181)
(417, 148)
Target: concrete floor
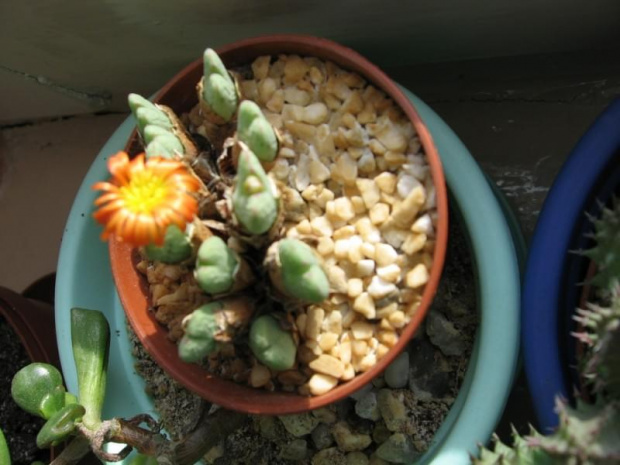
(519, 117)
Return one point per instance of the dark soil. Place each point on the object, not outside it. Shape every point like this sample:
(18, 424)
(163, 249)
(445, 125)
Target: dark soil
(19, 427)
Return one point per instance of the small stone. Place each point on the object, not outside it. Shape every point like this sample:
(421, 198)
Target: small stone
(390, 273)
(366, 163)
(362, 330)
(393, 411)
(314, 322)
(386, 182)
(318, 171)
(413, 244)
(365, 305)
(397, 373)
(260, 67)
(344, 208)
(268, 427)
(337, 279)
(380, 432)
(325, 415)
(320, 384)
(321, 226)
(371, 194)
(259, 376)
(429, 377)
(328, 365)
(357, 458)
(348, 440)
(315, 113)
(444, 335)
(295, 450)
(375, 460)
(347, 168)
(379, 213)
(423, 225)
(327, 341)
(322, 436)
(357, 395)
(366, 407)
(300, 424)
(385, 254)
(417, 277)
(213, 454)
(331, 456)
(398, 448)
(365, 268)
(325, 246)
(379, 288)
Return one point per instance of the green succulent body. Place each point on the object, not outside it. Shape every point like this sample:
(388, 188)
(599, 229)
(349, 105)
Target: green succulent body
(272, 345)
(255, 131)
(216, 266)
(5, 456)
(200, 330)
(60, 426)
(156, 129)
(90, 337)
(38, 389)
(606, 252)
(300, 272)
(254, 200)
(218, 88)
(176, 248)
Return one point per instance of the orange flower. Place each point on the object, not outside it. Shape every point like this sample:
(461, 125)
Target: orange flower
(144, 197)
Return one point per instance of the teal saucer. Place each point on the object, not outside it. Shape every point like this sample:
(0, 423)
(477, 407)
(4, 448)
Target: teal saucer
(84, 279)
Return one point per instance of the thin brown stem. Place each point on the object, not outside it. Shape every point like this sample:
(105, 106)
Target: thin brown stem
(211, 430)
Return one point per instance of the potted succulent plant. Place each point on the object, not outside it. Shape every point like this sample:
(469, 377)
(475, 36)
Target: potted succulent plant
(556, 271)
(286, 225)
(589, 431)
(439, 386)
(75, 420)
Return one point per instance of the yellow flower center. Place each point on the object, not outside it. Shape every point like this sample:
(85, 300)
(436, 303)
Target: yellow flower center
(145, 192)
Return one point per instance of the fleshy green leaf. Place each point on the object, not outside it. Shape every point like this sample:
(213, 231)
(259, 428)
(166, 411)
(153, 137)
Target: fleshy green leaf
(90, 337)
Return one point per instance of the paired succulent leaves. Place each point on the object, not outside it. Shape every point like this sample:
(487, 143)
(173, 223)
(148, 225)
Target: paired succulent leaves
(38, 387)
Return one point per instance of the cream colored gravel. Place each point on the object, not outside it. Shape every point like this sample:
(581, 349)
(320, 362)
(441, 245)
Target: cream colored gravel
(368, 209)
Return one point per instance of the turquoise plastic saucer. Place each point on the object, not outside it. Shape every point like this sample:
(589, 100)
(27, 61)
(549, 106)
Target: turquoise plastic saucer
(84, 280)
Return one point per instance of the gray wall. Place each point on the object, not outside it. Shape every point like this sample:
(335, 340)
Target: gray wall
(68, 57)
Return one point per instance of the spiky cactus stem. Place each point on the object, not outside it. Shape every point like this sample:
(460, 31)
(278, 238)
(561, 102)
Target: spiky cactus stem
(606, 252)
(588, 434)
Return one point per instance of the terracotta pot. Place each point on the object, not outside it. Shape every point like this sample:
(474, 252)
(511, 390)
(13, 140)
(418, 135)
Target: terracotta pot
(33, 322)
(180, 95)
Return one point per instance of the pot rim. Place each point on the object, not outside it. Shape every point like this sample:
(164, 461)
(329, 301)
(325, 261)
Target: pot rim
(592, 158)
(134, 293)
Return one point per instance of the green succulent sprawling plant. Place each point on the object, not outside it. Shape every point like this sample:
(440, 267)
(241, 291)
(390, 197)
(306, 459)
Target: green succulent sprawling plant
(246, 203)
(77, 421)
(589, 433)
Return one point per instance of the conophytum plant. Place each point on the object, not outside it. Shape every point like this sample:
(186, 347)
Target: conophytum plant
(252, 215)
